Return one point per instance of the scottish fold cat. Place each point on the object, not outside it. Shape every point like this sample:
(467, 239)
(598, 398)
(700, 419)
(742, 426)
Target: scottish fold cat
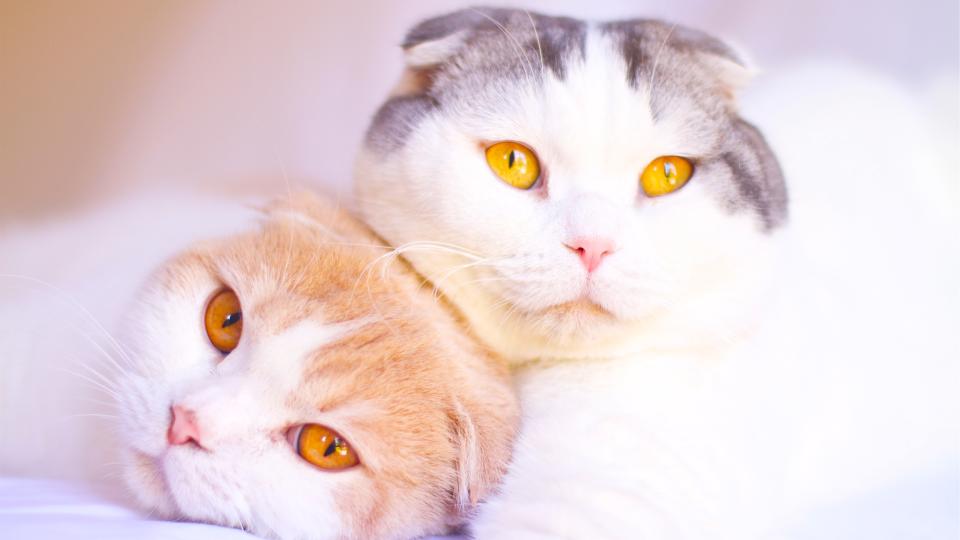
(292, 382)
(697, 357)
(291, 379)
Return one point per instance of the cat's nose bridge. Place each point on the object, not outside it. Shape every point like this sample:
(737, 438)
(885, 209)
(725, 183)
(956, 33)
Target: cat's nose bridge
(219, 410)
(592, 226)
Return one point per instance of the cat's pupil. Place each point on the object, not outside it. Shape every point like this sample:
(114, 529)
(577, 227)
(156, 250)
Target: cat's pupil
(512, 158)
(332, 448)
(232, 319)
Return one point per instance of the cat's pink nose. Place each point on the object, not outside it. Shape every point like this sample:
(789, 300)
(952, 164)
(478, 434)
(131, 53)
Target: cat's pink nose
(183, 427)
(591, 250)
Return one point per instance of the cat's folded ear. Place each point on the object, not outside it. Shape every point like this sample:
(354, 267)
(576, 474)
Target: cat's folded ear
(434, 41)
(484, 429)
(721, 59)
(431, 43)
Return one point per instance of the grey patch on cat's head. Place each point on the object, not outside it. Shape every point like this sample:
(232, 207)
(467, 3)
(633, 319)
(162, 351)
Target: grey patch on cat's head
(669, 59)
(756, 173)
(744, 175)
(496, 45)
(396, 120)
(642, 41)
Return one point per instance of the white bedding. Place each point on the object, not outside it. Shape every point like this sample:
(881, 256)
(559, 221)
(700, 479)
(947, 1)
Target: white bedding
(37, 509)
(47, 509)
(922, 508)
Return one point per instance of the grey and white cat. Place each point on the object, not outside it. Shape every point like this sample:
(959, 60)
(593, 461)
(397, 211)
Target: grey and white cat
(689, 366)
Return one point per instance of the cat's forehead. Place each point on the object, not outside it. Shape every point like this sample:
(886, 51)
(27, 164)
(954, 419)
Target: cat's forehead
(284, 273)
(314, 324)
(505, 43)
(310, 301)
(502, 46)
(489, 65)
(602, 108)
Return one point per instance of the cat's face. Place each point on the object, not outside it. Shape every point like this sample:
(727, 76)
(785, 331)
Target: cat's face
(597, 177)
(283, 384)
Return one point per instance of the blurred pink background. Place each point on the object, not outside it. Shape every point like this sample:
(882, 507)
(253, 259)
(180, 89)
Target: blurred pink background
(102, 96)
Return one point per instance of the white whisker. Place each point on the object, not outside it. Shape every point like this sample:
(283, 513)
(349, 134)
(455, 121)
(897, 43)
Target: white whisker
(527, 68)
(91, 415)
(96, 384)
(536, 34)
(656, 59)
(77, 305)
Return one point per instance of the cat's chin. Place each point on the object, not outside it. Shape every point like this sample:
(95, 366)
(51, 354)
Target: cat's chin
(147, 483)
(584, 328)
(152, 479)
(572, 323)
(576, 317)
(181, 488)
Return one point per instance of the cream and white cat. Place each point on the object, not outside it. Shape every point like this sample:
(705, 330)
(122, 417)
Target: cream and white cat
(291, 382)
(692, 361)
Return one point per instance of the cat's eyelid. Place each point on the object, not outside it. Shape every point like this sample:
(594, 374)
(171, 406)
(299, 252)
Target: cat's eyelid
(292, 435)
(691, 156)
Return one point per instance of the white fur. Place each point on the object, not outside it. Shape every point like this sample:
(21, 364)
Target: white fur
(744, 378)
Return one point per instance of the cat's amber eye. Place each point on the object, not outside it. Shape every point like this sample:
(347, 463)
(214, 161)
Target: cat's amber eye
(665, 174)
(514, 163)
(223, 320)
(325, 448)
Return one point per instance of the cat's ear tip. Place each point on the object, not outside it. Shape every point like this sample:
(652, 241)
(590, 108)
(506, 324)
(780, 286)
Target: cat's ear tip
(422, 54)
(740, 55)
(434, 40)
(437, 27)
(734, 69)
(484, 430)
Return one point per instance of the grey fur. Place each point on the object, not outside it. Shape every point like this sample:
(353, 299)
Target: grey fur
(643, 40)
(499, 44)
(396, 120)
(680, 68)
(510, 36)
(659, 57)
(757, 173)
